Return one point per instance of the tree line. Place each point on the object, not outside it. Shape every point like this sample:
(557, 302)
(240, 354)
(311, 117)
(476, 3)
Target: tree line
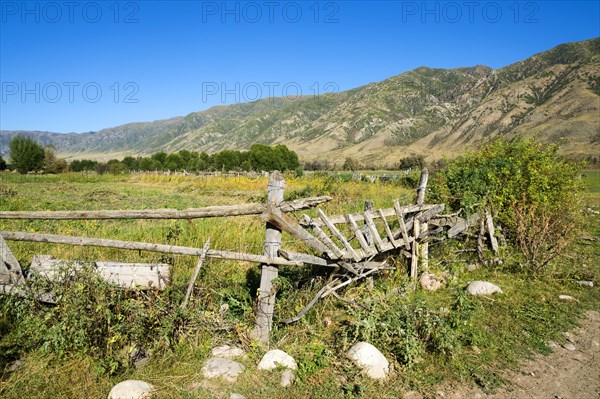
(26, 155)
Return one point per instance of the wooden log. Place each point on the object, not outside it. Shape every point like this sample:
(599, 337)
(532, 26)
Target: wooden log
(414, 257)
(335, 252)
(349, 281)
(143, 246)
(491, 231)
(388, 212)
(425, 216)
(480, 237)
(10, 269)
(400, 215)
(280, 220)
(196, 213)
(266, 294)
(422, 186)
(339, 235)
(359, 236)
(195, 275)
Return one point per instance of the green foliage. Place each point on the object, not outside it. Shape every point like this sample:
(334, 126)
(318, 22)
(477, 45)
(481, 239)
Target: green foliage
(81, 165)
(2, 164)
(531, 189)
(351, 164)
(52, 164)
(26, 154)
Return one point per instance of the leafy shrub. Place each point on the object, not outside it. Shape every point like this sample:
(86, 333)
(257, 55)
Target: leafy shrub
(533, 192)
(26, 154)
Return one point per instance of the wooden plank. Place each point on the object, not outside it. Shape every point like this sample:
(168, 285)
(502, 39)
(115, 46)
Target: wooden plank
(339, 235)
(335, 252)
(463, 225)
(10, 269)
(195, 275)
(266, 293)
(359, 235)
(124, 275)
(491, 231)
(366, 231)
(403, 230)
(196, 213)
(143, 246)
(388, 231)
(374, 233)
(279, 219)
(305, 258)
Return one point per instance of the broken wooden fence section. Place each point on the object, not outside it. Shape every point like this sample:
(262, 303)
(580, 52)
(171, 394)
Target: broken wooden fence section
(347, 242)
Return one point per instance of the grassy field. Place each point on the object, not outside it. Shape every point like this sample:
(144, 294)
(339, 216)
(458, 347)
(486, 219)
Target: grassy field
(430, 338)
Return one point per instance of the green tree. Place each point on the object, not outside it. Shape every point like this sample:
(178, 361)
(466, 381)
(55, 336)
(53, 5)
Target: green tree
(2, 164)
(351, 164)
(26, 154)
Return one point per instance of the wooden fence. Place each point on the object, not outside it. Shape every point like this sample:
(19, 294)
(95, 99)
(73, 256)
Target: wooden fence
(354, 243)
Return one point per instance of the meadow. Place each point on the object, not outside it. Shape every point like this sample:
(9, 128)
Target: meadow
(84, 345)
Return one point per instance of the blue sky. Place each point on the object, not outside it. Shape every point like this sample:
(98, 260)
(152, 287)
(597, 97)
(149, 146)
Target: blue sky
(86, 65)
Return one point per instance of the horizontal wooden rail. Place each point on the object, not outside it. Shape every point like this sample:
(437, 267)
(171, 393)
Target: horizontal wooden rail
(144, 246)
(207, 212)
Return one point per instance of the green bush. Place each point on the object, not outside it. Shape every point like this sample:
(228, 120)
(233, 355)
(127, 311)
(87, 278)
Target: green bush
(533, 192)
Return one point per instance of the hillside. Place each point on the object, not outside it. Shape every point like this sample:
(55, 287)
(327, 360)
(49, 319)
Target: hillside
(554, 95)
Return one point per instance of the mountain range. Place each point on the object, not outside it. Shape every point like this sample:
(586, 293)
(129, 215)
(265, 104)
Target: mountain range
(553, 95)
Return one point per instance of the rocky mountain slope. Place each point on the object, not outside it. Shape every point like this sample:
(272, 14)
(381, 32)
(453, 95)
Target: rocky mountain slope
(554, 95)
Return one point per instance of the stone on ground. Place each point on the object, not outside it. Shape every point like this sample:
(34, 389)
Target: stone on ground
(228, 352)
(287, 378)
(482, 288)
(569, 346)
(586, 283)
(236, 396)
(566, 298)
(431, 282)
(225, 368)
(275, 358)
(131, 389)
(370, 360)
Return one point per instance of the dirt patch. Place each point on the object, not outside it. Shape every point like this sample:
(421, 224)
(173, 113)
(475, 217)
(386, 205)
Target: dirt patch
(571, 371)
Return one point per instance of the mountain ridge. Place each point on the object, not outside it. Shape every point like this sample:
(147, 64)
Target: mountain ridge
(435, 112)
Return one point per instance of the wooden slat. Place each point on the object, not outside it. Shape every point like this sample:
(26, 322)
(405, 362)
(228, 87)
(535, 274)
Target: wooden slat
(359, 235)
(430, 213)
(335, 253)
(400, 214)
(195, 275)
(374, 232)
(339, 235)
(491, 231)
(388, 231)
(305, 258)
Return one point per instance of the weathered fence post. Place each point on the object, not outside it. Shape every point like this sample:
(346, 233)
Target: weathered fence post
(418, 228)
(369, 206)
(266, 294)
(10, 270)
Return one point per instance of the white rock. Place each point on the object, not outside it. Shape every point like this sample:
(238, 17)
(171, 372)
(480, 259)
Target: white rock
(430, 282)
(236, 396)
(586, 283)
(566, 298)
(482, 288)
(287, 378)
(131, 389)
(228, 352)
(569, 346)
(275, 358)
(224, 368)
(370, 360)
